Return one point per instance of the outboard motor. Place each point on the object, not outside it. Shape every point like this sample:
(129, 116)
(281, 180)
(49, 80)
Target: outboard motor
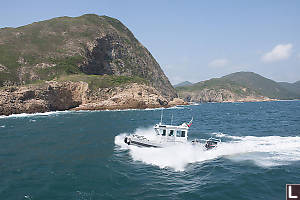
(212, 143)
(127, 140)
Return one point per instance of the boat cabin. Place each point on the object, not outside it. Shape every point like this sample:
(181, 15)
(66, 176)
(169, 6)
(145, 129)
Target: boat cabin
(172, 133)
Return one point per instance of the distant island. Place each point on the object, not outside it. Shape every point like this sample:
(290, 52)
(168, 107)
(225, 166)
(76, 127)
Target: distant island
(238, 87)
(87, 62)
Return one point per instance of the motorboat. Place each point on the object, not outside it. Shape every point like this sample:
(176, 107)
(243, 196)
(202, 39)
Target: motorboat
(167, 135)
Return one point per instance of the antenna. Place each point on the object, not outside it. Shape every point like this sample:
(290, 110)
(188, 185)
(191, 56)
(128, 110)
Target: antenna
(161, 116)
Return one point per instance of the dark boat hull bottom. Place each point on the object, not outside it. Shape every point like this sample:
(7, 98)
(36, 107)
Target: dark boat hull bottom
(143, 144)
(140, 144)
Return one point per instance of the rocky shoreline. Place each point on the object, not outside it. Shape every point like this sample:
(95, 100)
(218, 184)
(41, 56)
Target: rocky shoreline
(221, 95)
(68, 95)
(59, 96)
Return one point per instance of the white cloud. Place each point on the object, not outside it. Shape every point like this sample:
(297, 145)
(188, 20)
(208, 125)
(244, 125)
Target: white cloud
(279, 52)
(219, 63)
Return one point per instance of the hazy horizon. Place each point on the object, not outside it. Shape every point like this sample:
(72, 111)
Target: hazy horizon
(193, 41)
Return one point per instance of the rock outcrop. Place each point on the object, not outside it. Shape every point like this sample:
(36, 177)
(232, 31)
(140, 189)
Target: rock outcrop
(52, 96)
(177, 101)
(126, 97)
(47, 97)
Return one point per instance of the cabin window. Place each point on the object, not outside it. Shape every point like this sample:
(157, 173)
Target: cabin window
(171, 133)
(178, 133)
(158, 132)
(164, 132)
(182, 133)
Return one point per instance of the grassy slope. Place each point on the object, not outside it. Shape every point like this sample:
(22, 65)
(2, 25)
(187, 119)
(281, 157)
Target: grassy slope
(102, 81)
(45, 42)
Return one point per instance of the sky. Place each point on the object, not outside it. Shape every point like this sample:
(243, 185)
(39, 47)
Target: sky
(193, 40)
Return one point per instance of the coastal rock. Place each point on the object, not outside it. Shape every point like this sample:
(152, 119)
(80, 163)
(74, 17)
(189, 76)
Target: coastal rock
(131, 96)
(48, 97)
(52, 96)
(177, 101)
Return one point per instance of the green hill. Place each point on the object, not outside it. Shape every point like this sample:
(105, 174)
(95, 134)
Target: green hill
(264, 86)
(241, 85)
(85, 45)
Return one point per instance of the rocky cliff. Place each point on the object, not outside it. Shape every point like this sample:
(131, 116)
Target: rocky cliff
(89, 44)
(53, 95)
(47, 97)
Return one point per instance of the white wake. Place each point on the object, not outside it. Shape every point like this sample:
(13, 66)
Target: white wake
(265, 151)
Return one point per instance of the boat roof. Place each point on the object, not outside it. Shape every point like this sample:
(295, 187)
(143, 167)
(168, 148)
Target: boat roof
(182, 126)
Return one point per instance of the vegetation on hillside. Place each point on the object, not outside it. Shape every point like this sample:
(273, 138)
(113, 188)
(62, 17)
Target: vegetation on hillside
(103, 81)
(60, 43)
(244, 83)
(217, 84)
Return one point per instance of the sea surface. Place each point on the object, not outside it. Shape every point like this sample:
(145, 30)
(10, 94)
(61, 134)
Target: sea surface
(81, 155)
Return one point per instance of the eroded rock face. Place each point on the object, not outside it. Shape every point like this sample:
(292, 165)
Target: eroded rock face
(49, 97)
(130, 96)
(53, 96)
(177, 101)
(115, 55)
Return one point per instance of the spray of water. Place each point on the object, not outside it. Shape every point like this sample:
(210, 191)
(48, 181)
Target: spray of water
(265, 151)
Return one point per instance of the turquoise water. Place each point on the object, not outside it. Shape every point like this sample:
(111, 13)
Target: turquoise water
(80, 155)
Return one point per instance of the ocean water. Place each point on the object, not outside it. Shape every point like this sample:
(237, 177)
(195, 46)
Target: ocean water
(81, 155)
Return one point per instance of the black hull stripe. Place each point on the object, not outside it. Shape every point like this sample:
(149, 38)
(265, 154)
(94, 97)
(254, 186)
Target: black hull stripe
(143, 144)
